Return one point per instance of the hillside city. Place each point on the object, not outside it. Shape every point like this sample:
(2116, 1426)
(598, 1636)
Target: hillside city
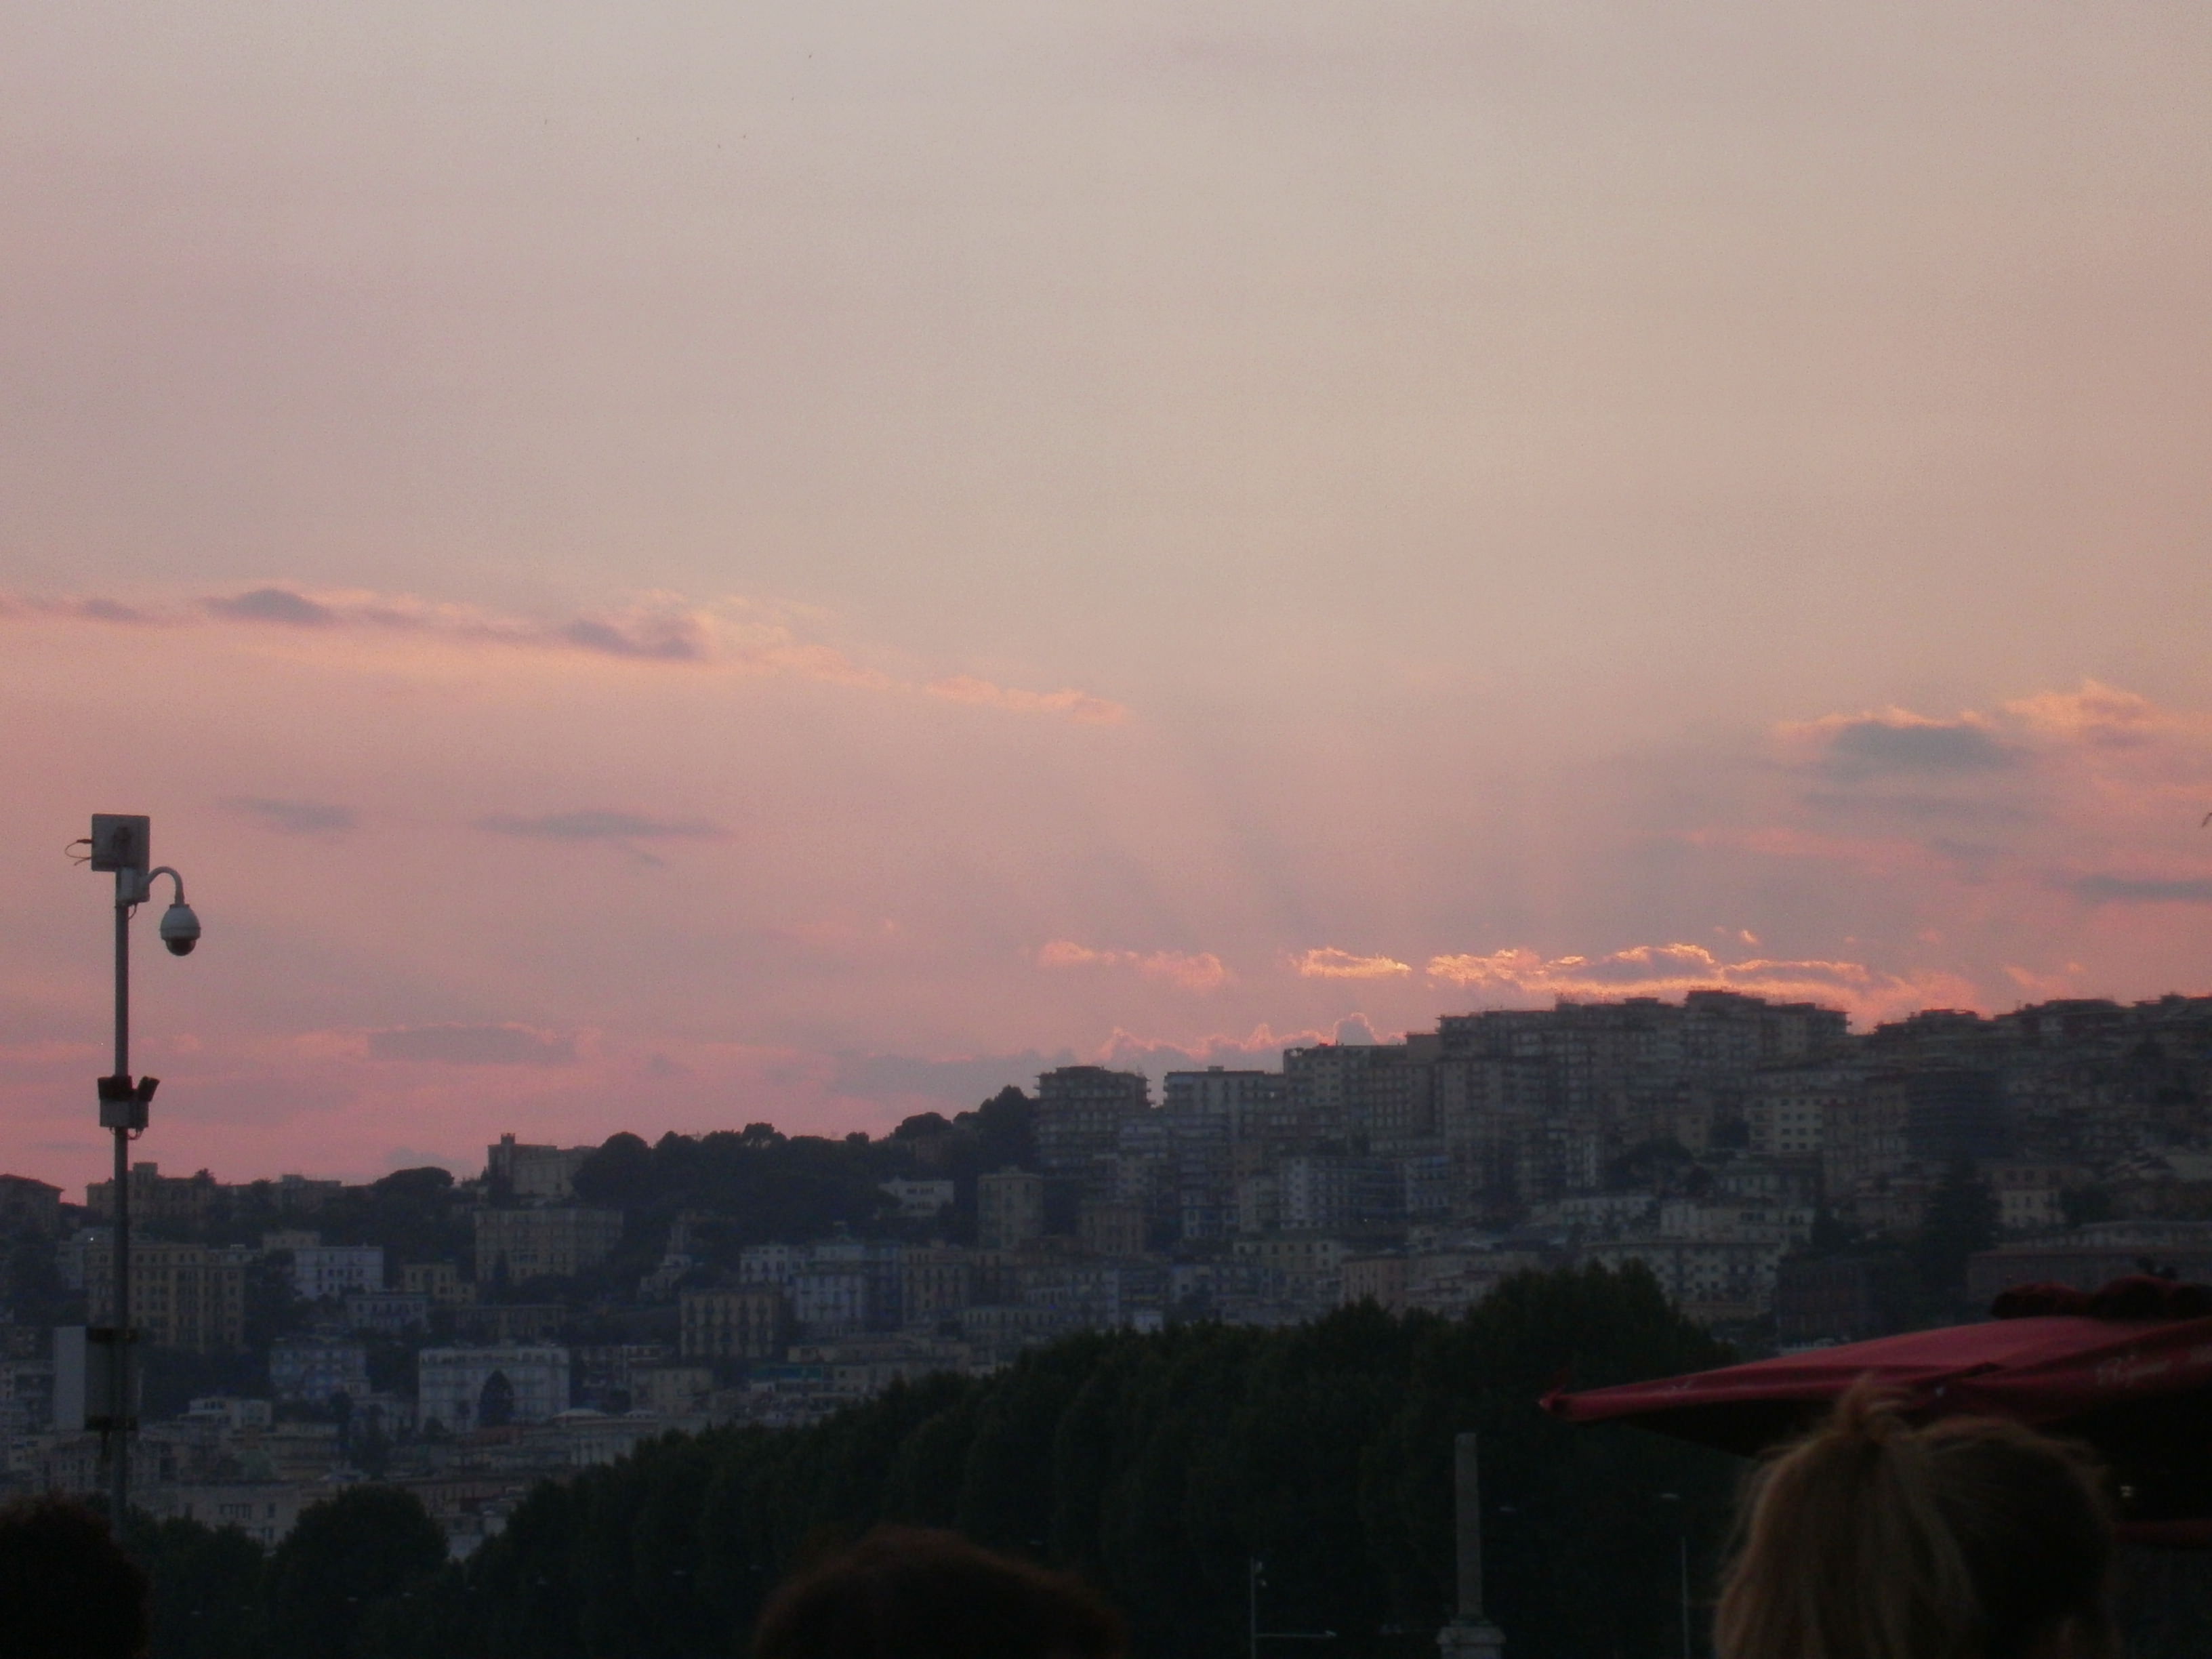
(1784, 1180)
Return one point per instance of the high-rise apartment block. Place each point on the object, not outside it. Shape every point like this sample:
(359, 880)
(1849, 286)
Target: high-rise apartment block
(1081, 1110)
(182, 1295)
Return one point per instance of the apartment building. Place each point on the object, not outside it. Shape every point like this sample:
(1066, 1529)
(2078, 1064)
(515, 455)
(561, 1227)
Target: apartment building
(557, 1241)
(745, 1322)
(182, 1295)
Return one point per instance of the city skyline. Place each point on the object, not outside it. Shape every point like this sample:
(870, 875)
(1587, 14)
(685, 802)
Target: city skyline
(681, 569)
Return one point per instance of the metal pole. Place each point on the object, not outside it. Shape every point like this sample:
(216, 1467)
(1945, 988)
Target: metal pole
(1252, 1605)
(119, 1352)
(1685, 1587)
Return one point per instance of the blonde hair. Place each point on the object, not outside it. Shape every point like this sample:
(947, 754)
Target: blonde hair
(1871, 1539)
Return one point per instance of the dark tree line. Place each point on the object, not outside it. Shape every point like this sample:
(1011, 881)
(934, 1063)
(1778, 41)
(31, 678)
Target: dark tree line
(757, 1185)
(1160, 1466)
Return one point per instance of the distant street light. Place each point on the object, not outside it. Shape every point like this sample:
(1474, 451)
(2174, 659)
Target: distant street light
(121, 842)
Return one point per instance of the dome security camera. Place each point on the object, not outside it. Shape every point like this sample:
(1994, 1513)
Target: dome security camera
(180, 929)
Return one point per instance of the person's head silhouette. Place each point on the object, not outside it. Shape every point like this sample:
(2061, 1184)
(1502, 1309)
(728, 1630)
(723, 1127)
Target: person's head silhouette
(67, 1590)
(906, 1593)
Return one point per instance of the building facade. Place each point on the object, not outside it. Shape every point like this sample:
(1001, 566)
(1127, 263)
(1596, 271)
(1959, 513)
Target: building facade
(336, 1270)
(554, 1242)
(182, 1295)
(469, 1389)
(748, 1323)
(1081, 1110)
(316, 1369)
(1009, 1209)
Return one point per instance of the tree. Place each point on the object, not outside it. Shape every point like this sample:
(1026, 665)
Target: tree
(208, 1600)
(495, 1403)
(2083, 1206)
(342, 1558)
(1962, 1218)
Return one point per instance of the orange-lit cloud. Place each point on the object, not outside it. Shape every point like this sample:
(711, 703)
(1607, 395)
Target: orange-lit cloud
(2094, 713)
(1202, 972)
(1329, 963)
(1080, 706)
(1671, 970)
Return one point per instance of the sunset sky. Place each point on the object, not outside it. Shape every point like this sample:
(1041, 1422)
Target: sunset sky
(658, 566)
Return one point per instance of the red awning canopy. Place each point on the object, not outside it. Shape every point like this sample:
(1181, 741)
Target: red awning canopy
(2138, 1389)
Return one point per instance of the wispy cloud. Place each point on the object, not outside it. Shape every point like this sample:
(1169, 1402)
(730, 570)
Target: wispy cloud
(273, 605)
(294, 817)
(735, 635)
(621, 830)
(1079, 706)
(2142, 889)
(602, 826)
(1203, 971)
(1329, 963)
(471, 1045)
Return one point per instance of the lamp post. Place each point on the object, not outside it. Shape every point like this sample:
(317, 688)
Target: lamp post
(1682, 1559)
(121, 842)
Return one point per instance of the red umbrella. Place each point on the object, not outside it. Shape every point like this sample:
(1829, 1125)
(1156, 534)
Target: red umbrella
(2129, 1371)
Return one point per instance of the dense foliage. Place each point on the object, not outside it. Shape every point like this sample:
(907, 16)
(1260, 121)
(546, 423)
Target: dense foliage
(757, 1185)
(1161, 1465)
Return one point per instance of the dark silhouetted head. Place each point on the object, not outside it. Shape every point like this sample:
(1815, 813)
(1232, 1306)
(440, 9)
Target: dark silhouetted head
(67, 1590)
(905, 1592)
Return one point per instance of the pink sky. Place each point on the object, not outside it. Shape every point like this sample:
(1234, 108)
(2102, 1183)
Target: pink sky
(658, 565)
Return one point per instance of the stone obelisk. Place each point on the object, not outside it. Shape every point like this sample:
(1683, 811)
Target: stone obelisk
(1470, 1635)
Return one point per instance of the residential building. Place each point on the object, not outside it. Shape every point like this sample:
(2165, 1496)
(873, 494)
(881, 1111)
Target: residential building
(554, 1242)
(1377, 1279)
(919, 1200)
(1009, 1209)
(336, 1270)
(387, 1313)
(935, 1282)
(1110, 1229)
(748, 1323)
(829, 1301)
(29, 1207)
(316, 1369)
(156, 1198)
(1079, 1113)
(440, 1281)
(520, 1170)
(1247, 1105)
(671, 1390)
(504, 1324)
(1711, 1279)
(302, 1194)
(2089, 1258)
(1787, 1110)
(2028, 1193)
(182, 1295)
